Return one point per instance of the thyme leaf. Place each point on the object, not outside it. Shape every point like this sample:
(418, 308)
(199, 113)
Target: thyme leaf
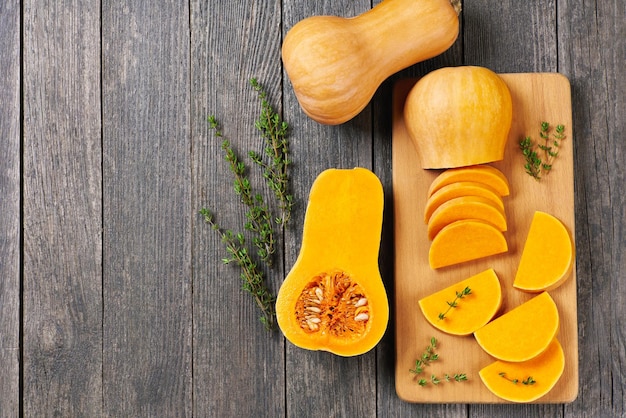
(459, 295)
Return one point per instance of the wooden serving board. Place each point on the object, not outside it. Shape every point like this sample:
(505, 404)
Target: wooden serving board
(536, 98)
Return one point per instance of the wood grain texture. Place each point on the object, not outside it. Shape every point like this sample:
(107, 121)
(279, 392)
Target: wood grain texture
(592, 53)
(147, 230)
(238, 365)
(62, 270)
(10, 221)
(535, 96)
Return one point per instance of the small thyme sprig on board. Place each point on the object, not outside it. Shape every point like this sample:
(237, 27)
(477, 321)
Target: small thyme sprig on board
(274, 132)
(426, 358)
(259, 219)
(459, 295)
(528, 381)
(252, 278)
(457, 377)
(534, 164)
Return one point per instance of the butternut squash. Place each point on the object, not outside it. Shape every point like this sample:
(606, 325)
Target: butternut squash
(336, 64)
(466, 207)
(471, 312)
(459, 116)
(333, 298)
(463, 241)
(459, 189)
(547, 257)
(525, 381)
(482, 173)
(522, 333)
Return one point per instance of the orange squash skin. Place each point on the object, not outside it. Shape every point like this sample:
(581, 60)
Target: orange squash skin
(459, 116)
(336, 64)
(341, 233)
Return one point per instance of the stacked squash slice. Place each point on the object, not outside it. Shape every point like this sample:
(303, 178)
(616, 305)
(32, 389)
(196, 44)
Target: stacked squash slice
(465, 215)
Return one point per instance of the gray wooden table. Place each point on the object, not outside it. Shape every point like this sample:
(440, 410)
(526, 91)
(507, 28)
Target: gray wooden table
(113, 301)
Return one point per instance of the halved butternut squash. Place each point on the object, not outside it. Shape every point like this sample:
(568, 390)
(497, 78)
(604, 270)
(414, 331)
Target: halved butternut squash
(463, 241)
(548, 255)
(458, 189)
(525, 381)
(333, 298)
(481, 173)
(522, 333)
(462, 316)
(466, 207)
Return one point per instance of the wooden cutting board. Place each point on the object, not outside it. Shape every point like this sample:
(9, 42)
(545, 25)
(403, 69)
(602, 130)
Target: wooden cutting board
(536, 98)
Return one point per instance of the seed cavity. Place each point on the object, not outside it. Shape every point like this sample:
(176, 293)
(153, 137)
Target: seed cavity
(335, 303)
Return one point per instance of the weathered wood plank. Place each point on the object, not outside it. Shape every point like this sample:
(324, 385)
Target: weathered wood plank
(320, 384)
(592, 53)
(238, 365)
(147, 179)
(62, 363)
(10, 207)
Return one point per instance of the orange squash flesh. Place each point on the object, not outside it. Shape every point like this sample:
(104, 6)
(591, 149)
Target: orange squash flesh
(333, 298)
(459, 116)
(506, 379)
(471, 312)
(522, 333)
(466, 207)
(478, 173)
(458, 189)
(548, 255)
(463, 241)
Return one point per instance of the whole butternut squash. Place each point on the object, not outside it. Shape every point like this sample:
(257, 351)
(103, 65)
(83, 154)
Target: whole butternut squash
(336, 64)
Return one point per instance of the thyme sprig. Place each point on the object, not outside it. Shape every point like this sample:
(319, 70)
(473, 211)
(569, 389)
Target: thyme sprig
(457, 377)
(252, 278)
(259, 219)
(539, 158)
(275, 166)
(459, 295)
(528, 381)
(425, 359)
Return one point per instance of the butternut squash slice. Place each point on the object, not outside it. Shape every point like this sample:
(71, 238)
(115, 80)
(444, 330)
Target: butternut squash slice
(466, 207)
(463, 316)
(458, 189)
(463, 241)
(525, 381)
(548, 255)
(478, 173)
(333, 298)
(522, 333)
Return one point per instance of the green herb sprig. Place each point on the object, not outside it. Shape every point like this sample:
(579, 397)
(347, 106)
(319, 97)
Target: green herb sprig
(259, 219)
(528, 381)
(457, 377)
(275, 169)
(425, 359)
(539, 158)
(459, 295)
(252, 278)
